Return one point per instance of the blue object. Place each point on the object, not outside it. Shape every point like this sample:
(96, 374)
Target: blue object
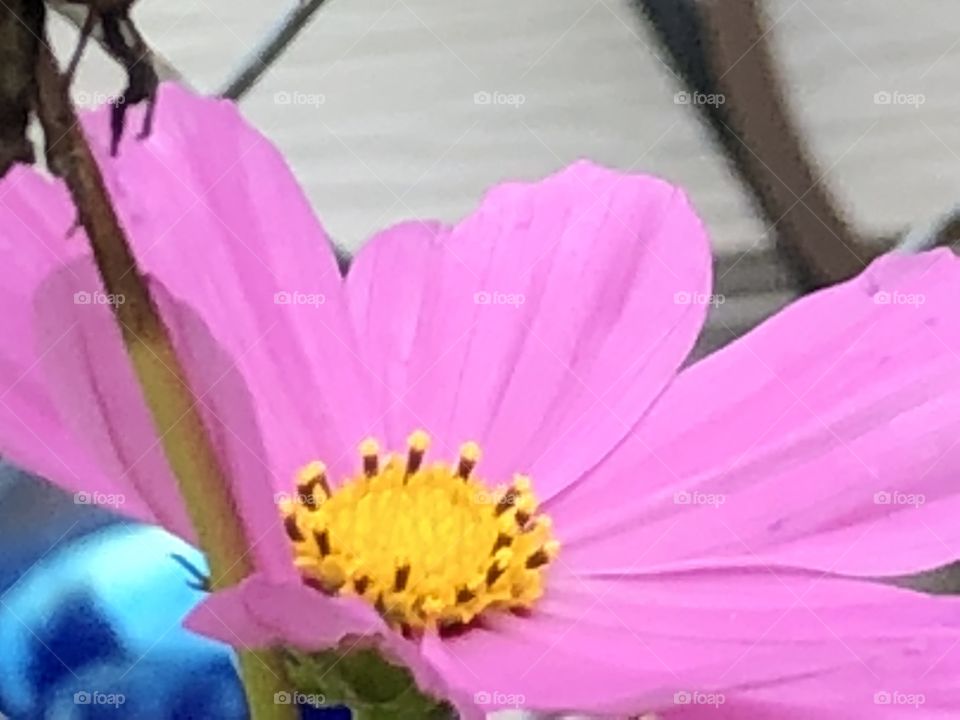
(91, 628)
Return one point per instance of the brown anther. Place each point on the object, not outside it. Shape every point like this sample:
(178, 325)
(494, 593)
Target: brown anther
(522, 518)
(369, 450)
(290, 525)
(508, 500)
(494, 573)
(306, 496)
(469, 456)
(361, 584)
(312, 479)
(323, 541)
(503, 540)
(417, 443)
(465, 595)
(401, 577)
(414, 461)
(540, 557)
(314, 584)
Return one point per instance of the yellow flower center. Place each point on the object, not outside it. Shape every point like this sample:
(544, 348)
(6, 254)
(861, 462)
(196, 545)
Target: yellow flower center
(428, 545)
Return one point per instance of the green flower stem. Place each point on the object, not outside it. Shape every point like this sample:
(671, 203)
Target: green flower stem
(160, 374)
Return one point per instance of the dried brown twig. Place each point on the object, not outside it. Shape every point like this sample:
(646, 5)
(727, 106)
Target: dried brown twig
(77, 15)
(183, 435)
(126, 45)
(21, 27)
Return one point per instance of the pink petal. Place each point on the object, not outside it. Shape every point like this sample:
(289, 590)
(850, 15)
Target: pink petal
(778, 446)
(261, 613)
(235, 239)
(590, 262)
(895, 685)
(231, 232)
(40, 430)
(98, 395)
(629, 644)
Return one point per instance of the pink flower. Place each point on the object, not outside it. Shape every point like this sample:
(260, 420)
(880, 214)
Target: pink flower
(694, 540)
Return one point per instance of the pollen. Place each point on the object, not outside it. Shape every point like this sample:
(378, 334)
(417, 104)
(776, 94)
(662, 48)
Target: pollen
(429, 545)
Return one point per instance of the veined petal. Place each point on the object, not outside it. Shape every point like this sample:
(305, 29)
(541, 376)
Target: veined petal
(230, 236)
(889, 687)
(40, 430)
(235, 239)
(826, 438)
(543, 325)
(631, 644)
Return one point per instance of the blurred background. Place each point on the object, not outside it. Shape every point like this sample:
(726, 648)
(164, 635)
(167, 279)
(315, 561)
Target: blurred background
(810, 135)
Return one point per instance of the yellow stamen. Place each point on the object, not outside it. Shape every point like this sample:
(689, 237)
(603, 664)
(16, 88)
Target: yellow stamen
(429, 545)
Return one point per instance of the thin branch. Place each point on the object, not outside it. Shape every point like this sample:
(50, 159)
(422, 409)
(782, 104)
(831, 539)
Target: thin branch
(255, 64)
(185, 439)
(942, 230)
(722, 51)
